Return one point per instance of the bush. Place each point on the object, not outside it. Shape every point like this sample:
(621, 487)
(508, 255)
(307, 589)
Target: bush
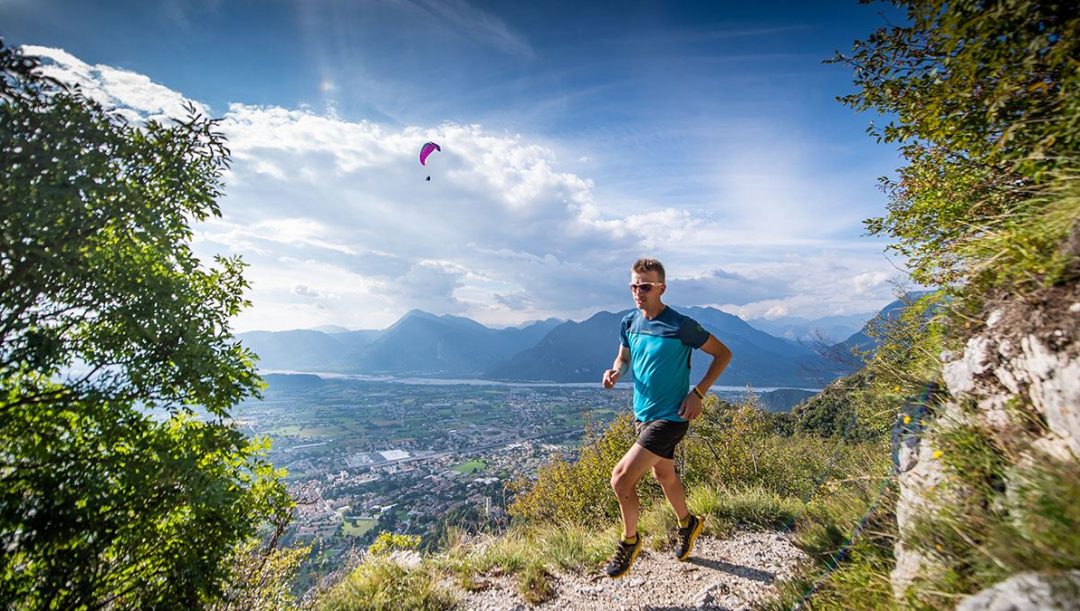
(578, 492)
(388, 542)
(380, 584)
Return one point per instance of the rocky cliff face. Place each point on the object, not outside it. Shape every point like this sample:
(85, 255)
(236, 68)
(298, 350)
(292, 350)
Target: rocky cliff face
(1018, 378)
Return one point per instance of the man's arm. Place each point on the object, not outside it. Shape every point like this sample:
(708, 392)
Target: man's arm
(619, 367)
(691, 405)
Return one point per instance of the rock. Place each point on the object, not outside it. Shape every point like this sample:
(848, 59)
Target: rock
(1028, 592)
(1019, 380)
(994, 318)
(958, 377)
(708, 596)
(920, 492)
(405, 558)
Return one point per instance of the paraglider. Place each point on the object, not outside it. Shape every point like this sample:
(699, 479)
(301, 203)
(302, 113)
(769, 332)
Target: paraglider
(425, 151)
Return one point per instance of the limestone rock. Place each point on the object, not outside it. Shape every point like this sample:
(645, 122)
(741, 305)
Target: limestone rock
(1025, 359)
(1028, 592)
(919, 492)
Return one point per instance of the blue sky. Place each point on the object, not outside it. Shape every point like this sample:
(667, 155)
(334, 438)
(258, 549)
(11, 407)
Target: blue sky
(577, 136)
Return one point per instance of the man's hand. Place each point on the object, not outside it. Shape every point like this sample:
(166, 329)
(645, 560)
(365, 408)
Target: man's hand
(691, 406)
(611, 376)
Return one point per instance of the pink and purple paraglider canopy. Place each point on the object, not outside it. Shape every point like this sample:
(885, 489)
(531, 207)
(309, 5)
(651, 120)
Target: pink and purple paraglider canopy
(426, 150)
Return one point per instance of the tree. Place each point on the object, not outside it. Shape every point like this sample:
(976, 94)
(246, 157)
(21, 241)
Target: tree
(122, 480)
(984, 97)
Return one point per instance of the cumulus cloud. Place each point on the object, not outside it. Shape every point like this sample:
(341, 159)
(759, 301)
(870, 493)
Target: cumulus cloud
(134, 96)
(719, 286)
(339, 225)
(868, 281)
(305, 291)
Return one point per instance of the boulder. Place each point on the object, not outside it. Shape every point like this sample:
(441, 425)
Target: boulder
(1028, 592)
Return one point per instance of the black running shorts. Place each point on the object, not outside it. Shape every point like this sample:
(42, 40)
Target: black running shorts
(660, 436)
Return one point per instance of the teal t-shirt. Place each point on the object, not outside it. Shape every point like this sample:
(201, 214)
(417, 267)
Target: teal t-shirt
(660, 359)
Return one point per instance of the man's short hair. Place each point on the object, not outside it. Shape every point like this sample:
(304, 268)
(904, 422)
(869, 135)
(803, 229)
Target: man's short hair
(642, 266)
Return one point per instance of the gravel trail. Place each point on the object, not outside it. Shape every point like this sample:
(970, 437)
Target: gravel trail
(728, 574)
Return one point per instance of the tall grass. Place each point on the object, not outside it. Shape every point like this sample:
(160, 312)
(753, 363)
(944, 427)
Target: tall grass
(380, 584)
(1006, 512)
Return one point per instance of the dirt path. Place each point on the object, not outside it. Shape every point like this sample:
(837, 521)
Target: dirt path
(722, 574)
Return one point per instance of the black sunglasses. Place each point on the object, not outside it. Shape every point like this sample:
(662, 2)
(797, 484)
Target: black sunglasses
(644, 287)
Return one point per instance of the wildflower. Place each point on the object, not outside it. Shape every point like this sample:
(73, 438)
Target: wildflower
(937, 453)
(907, 419)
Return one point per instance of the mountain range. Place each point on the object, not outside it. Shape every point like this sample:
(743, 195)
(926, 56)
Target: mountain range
(421, 344)
(831, 329)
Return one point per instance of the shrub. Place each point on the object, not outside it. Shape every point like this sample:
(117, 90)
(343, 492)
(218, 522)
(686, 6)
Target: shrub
(578, 492)
(380, 584)
(388, 542)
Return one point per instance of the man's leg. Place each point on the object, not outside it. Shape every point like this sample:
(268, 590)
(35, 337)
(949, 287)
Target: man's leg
(664, 472)
(690, 526)
(624, 479)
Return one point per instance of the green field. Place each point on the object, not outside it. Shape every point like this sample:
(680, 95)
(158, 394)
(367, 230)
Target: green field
(361, 528)
(470, 467)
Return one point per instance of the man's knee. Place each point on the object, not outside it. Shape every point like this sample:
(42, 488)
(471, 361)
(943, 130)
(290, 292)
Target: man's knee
(621, 482)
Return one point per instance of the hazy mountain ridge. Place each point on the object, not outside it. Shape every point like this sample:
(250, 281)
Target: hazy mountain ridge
(831, 329)
(424, 344)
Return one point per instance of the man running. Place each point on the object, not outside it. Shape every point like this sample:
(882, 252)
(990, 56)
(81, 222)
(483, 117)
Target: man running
(656, 342)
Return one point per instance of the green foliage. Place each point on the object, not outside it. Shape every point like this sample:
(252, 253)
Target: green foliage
(380, 584)
(260, 579)
(530, 551)
(534, 584)
(983, 100)
(986, 99)
(112, 493)
(756, 508)
(734, 448)
(861, 581)
(832, 412)
(1029, 246)
(388, 542)
(578, 492)
(849, 530)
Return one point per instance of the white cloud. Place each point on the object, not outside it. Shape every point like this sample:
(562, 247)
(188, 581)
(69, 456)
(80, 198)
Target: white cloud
(339, 225)
(133, 94)
(869, 280)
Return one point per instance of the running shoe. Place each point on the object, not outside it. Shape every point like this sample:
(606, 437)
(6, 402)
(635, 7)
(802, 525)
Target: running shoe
(625, 555)
(685, 537)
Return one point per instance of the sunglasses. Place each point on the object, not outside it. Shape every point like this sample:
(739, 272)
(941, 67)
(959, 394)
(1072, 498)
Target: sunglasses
(644, 287)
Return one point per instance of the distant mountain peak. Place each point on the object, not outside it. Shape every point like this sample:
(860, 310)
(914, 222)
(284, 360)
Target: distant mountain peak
(415, 313)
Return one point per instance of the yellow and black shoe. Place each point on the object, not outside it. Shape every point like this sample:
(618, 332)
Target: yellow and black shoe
(625, 555)
(685, 536)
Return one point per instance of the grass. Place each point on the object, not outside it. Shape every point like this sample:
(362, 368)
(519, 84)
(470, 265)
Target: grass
(533, 553)
(751, 507)
(362, 527)
(1015, 514)
(470, 467)
(380, 584)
